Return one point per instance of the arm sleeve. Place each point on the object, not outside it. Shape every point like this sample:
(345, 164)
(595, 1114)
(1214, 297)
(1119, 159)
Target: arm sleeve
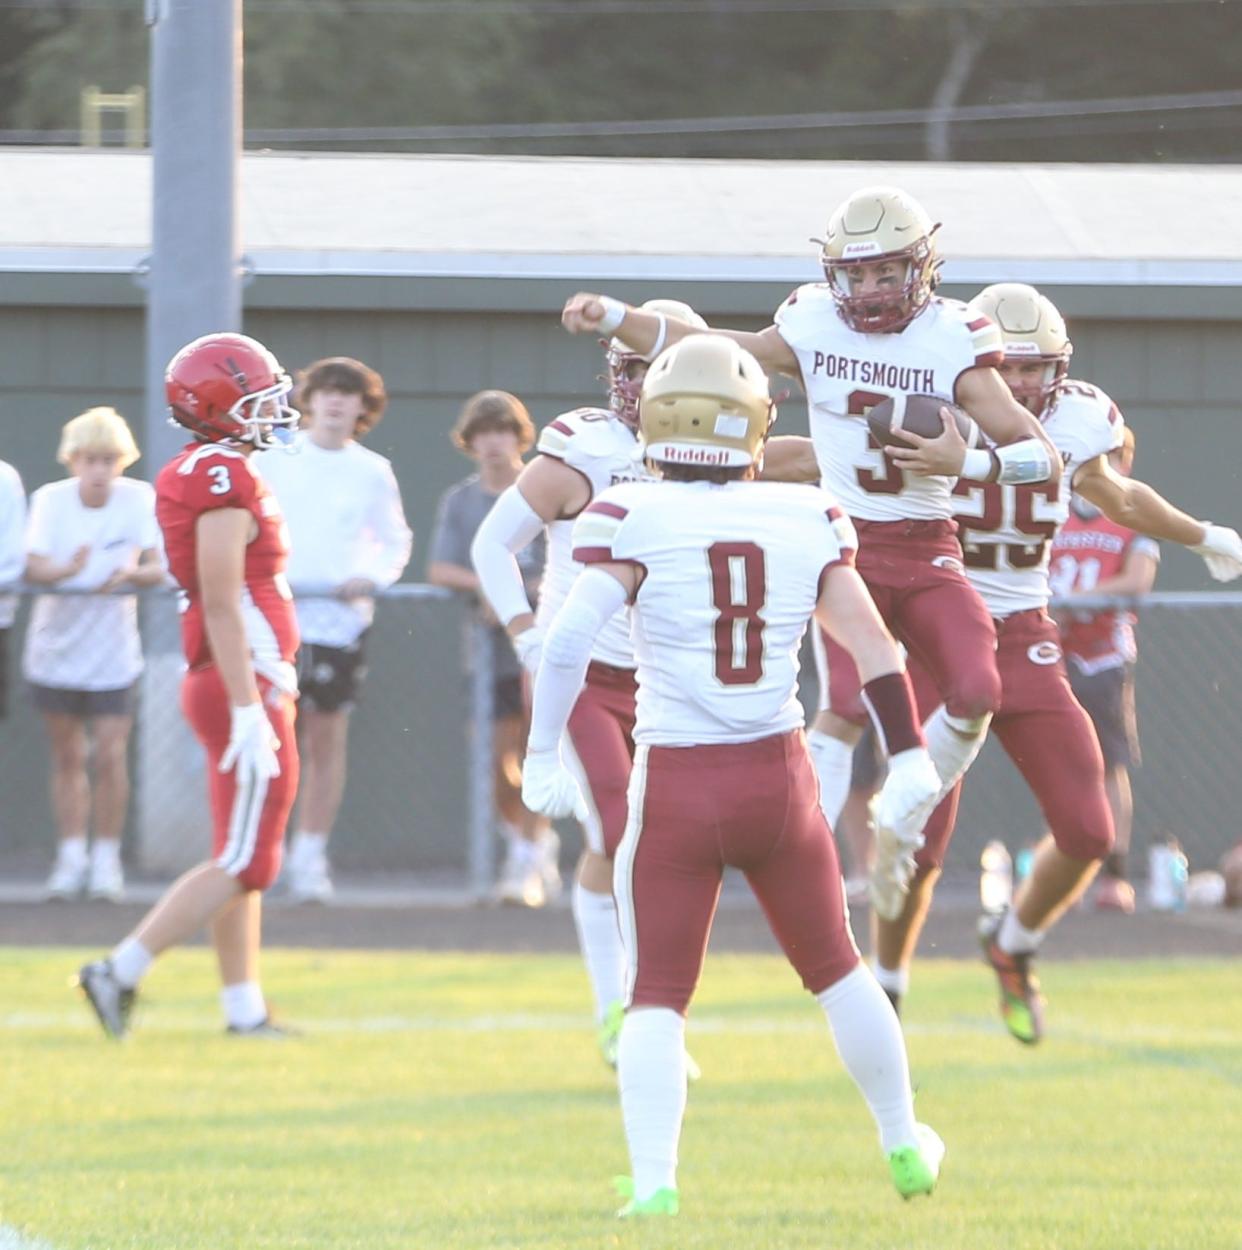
(393, 538)
(592, 601)
(508, 527)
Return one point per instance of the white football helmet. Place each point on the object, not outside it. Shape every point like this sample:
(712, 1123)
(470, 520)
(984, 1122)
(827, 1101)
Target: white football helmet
(1033, 330)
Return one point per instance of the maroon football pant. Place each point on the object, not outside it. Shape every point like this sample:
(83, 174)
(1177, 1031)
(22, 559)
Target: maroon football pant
(694, 810)
(601, 733)
(1047, 735)
(914, 572)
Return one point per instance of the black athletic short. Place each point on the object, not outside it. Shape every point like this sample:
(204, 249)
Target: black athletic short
(1108, 698)
(329, 678)
(57, 700)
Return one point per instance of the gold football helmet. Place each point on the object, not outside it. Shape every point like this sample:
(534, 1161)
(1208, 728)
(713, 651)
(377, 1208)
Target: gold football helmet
(1033, 330)
(626, 367)
(880, 224)
(705, 402)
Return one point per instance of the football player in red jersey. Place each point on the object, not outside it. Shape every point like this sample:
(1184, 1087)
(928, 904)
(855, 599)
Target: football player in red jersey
(875, 329)
(226, 546)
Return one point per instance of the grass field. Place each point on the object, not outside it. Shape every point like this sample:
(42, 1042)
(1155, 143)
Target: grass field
(447, 1101)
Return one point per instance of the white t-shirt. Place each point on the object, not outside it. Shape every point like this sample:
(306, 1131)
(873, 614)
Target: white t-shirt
(12, 538)
(88, 642)
(732, 576)
(343, 510)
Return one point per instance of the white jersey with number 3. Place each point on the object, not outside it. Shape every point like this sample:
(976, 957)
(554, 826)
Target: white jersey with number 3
(605, 451)
(1006, 531)
(846, 373)
(732, 575)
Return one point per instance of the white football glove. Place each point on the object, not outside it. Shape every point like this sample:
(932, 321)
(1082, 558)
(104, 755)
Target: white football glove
(529, 647)
(901, 811)
(253, 744)
(549, 787)
(1221, 550)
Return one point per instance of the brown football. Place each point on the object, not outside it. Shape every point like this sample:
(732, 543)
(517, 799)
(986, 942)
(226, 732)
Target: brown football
(920, 414)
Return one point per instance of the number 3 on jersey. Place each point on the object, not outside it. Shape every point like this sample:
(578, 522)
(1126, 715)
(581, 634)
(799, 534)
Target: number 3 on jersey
(221, 483)
(886, 478)
(739, 590)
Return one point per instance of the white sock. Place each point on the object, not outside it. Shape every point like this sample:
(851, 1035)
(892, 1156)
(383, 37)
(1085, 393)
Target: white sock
(869, 1041)
(651, 1071)
(308, 847)
(1014, 939)
(599, 938)
(130, 962)
(895, 980)
(953, 743)
(72, 850)
(243, 1004)
(106, 851)
(834, 765)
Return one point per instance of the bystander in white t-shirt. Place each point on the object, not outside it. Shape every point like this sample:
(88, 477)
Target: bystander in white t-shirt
(343, 510)
(88, 642)
(12, 538)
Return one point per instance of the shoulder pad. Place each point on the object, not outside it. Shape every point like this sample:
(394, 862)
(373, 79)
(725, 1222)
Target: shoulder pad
(584, 436)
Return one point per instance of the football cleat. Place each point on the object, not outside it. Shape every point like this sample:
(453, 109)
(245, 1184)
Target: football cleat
(915, 1169)
(663, 1202)
(1021, 1003)
(267, 1027)
(109, 999)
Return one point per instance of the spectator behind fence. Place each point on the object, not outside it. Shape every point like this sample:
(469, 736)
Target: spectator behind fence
(349, 537)
(94, 532)
(1092, 555)
(495, 430)
(12, 564)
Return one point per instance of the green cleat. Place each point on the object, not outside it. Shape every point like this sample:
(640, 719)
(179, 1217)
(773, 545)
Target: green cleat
(915, 1169)
(1021, 1003)
(662, 1202)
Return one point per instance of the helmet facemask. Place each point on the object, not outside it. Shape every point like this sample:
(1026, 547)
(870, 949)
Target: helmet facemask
(266, 420)
(878, 312)
(626, 371)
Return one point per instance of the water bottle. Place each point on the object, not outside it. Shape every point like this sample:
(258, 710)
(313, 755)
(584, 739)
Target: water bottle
(1179, 875)
(1167, 873)
(995, 877)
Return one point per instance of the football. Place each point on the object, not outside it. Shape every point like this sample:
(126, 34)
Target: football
(919, 414)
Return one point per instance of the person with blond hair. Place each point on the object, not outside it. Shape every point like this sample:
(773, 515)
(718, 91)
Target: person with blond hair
(93, 537)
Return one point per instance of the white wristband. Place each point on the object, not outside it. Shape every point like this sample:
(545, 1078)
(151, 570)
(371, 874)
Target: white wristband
(977, 464)
(658, 346)
(613, 316)
(1024, 462)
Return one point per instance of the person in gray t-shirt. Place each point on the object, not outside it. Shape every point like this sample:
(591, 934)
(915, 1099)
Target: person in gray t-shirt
(494, 429)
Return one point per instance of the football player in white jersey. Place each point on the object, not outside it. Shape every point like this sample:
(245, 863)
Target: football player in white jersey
(580, 454)
(873, 330)
(1006, 533)
(724, 575)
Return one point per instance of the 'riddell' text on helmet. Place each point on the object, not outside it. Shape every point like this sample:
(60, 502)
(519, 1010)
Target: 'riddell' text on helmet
(626, 366)
(875, 225)
(1033, 330)
(229, 388)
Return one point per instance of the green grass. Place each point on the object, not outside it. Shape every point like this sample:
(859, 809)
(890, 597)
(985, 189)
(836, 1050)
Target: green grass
(447, 1101)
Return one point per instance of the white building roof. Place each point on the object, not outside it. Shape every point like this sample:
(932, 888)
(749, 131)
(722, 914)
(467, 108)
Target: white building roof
(469, 216)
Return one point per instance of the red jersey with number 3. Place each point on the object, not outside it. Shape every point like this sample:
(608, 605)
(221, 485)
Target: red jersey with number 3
(846, 373)
(732, 574)
(206, 476)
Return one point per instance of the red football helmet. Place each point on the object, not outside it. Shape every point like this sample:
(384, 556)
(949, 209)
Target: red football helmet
(228, 387)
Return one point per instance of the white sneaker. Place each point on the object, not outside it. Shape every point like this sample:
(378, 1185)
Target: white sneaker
(521, 879)
(310, 880)
(106, 880)
(67, 879)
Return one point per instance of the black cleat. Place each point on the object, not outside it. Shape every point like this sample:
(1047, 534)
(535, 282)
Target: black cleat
(111, 1001)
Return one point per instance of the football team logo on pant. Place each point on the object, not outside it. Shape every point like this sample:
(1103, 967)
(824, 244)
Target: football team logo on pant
(1045, 652)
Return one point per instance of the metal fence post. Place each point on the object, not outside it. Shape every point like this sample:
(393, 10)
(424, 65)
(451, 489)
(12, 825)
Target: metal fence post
(482, 816)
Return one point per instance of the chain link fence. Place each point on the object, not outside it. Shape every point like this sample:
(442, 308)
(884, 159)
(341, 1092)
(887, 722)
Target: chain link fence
(419, 794)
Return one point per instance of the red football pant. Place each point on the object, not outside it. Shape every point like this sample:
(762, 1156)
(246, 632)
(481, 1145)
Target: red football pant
(601, 734)
(247, 823)
(1047, 735)
(914, 572)
(752, 806)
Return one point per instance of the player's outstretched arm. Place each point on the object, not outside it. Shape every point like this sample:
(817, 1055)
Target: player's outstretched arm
(598, 594)
(650, 333)
(1137, 506)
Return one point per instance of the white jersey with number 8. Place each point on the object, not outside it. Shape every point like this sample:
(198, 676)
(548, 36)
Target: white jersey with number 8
(732, 574)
